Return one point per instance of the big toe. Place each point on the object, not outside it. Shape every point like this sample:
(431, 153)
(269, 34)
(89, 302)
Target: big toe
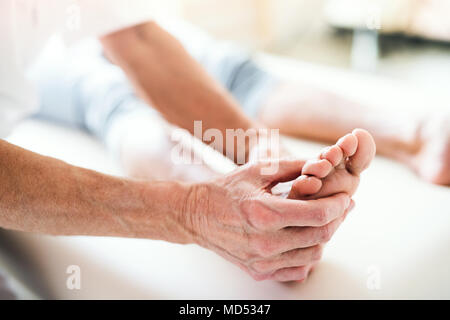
(364, 154)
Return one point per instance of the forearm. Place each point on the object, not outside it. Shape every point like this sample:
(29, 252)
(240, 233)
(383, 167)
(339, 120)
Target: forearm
(312, 113)
(45, 195)
(169, 79)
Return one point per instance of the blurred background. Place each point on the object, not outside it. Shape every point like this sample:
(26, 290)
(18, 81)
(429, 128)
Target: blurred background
(403, 39)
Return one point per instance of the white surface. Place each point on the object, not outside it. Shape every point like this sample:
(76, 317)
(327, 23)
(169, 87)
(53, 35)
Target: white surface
(400, 228)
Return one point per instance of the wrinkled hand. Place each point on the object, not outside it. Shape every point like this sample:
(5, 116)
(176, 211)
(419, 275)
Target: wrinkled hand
(266, 235)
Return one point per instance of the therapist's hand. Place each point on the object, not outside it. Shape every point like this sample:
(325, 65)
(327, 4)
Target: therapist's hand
(267, 236)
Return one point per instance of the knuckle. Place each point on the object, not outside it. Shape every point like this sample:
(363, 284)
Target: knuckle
(258, 216)
(245, 256)
(257, 276)
(258, 221)
(262, 246)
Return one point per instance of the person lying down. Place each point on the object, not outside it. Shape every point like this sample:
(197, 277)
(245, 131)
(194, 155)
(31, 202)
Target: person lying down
(81, 87)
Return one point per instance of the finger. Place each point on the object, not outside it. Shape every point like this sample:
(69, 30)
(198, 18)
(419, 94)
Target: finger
(342, 181)
(302, 213)
(292, 238)
(301, 237)
(281, 170)
(290, 274)
(293, 258)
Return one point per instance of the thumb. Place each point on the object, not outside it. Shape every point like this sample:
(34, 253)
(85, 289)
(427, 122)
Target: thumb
(280, 170)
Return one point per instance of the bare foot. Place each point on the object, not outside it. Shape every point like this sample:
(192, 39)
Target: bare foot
(337, 169)
(432, 161)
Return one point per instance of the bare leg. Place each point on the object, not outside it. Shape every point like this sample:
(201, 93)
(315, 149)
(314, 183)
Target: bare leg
(302, 111)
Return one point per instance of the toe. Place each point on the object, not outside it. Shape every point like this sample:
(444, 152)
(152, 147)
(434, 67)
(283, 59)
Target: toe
(333, 154)
(305, 186)
(348, 144)
(318, 168)
(364, 153)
